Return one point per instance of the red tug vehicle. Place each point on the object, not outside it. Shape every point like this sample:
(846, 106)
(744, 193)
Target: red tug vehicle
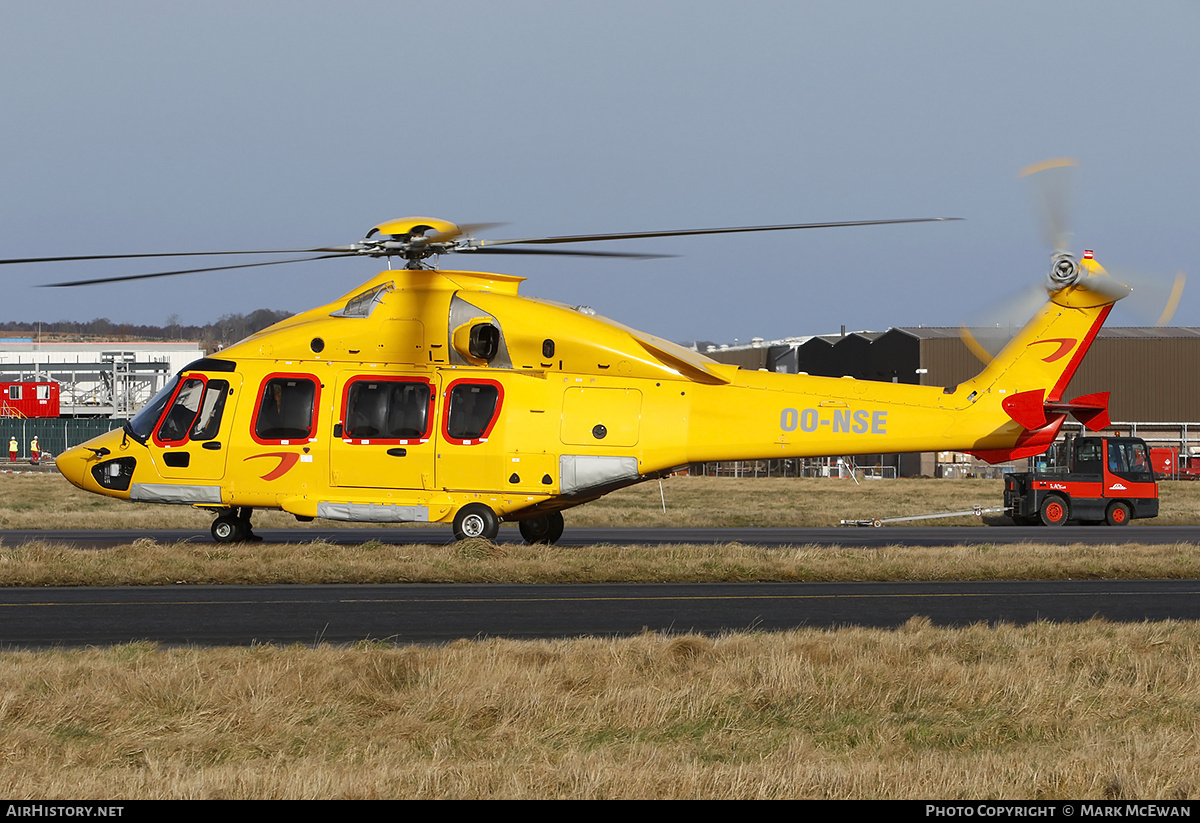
(1088, 480)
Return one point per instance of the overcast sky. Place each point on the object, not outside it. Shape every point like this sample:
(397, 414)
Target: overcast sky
(150, 126)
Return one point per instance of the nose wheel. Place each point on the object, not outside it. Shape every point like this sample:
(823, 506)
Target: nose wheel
(233, 526)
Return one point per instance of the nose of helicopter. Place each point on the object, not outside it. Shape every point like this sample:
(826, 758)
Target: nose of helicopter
(76, 463)
(73, 465)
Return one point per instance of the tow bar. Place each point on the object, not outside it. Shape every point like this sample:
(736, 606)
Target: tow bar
(978, 511)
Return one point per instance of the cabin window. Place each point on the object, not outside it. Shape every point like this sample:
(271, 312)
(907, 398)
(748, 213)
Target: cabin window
(14, 392)
(387, 410)
(42, 392)
(471, 410)
(178, 419)
(286, 409)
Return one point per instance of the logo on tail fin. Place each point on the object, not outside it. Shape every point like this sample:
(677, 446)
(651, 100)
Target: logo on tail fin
(1065, 344)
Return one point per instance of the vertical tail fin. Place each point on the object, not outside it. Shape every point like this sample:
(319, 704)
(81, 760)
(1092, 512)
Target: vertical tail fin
(1033, 370)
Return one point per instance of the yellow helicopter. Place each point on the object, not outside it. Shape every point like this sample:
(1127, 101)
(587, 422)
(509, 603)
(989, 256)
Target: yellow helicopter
(429, 395)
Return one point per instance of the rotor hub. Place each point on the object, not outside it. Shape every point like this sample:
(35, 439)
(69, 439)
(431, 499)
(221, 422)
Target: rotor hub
(413, 238)
(1064, 271)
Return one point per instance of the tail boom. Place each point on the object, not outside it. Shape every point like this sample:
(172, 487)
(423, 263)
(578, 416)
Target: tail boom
(1012, 409)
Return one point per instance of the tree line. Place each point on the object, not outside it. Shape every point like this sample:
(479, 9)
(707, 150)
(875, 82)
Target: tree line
(227, 329)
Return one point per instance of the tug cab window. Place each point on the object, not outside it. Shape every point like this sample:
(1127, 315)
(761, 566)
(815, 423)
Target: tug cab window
(286, 409)
(1089, 455)
(1129, 459)
(471, 410)
(384, 410)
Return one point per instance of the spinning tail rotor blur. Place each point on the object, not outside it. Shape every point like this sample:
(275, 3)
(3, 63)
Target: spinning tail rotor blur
(1151, 298)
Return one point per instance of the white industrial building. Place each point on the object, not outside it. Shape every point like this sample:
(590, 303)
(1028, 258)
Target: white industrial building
(97, 379)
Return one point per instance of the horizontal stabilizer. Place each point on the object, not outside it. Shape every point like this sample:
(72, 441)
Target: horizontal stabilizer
(1032, 411)
(1090, 409)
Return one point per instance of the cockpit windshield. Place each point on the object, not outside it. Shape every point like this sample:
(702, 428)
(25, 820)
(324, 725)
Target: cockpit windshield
(142, 423)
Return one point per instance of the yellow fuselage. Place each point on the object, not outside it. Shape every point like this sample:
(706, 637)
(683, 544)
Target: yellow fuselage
(523, 405)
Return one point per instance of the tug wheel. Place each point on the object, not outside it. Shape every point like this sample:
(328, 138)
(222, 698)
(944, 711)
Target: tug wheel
(1117, 515)
(1054, 511)
(546, 529)
(476, 520)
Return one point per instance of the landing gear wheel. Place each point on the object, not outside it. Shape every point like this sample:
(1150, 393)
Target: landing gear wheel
(546, 529)
(228, 528)
(1054, 511)
(1117, 515)
(233, 526)
(476, 520)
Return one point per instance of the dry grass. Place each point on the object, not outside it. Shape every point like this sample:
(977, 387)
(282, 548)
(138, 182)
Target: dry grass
(146, 562)
(1043, 711)
(46, 501)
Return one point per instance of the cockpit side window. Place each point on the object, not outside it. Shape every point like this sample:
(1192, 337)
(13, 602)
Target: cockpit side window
(179, 417)
(472, 407)
(142, 423)
(208, 421)
(286, 409)
(194, 413)
(382, 410)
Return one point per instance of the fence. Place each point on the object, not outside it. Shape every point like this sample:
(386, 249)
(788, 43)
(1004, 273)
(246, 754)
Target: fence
(55, 435)
(792, 467)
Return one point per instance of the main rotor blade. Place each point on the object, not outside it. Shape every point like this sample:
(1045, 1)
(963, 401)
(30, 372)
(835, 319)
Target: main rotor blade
(586, 238)
(167, 254)
(561, 253)
(185, 271)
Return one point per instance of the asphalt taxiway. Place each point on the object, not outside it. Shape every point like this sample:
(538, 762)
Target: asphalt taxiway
(430, 613)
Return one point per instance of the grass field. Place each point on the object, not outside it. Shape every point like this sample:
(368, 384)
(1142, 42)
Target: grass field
(1043, 711)
(1087, 711)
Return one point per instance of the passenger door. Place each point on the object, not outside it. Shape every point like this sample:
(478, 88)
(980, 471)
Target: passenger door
(383, 435)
